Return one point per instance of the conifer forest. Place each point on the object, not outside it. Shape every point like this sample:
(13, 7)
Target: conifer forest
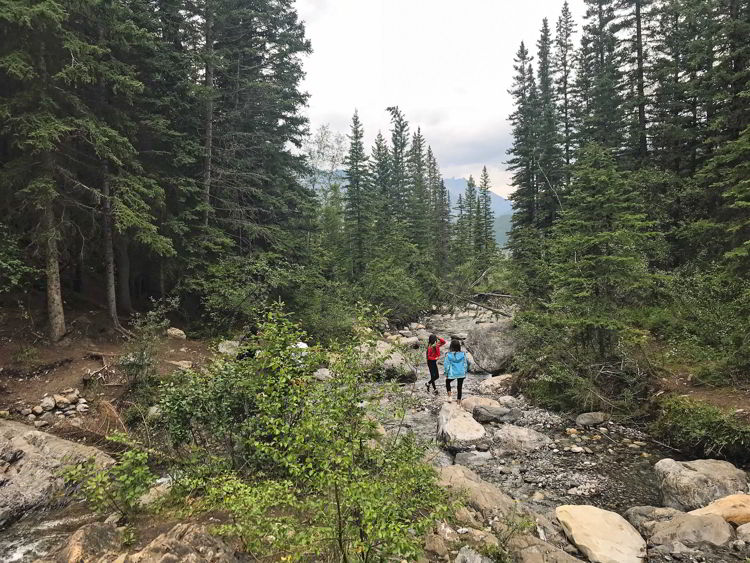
(238, 299)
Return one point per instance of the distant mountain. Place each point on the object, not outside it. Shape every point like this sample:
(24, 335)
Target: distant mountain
(502, 227)
(456, 186)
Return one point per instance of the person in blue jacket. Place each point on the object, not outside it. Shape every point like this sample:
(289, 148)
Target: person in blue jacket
(455, 366)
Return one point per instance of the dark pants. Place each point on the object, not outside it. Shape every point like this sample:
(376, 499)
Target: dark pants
(434, 374)
(459, 385)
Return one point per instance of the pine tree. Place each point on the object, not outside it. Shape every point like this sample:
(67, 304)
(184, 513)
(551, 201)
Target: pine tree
(487, 220)
(418, 196)
(398, 174)
(380, 178)
(358, 200)
(548, 157)
(600, 253)
(562, 65)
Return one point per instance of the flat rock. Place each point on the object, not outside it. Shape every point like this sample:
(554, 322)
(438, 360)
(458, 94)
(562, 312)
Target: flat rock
(47, 403)
(692, 530)
(470, 403)
(485, 414)
(496, 385)
(35, 459)
(688, 485)
(472, 458)
(181, 364)
(591, 418)
(457, 429)
(484, 497)
(520, 439)
(602, 536)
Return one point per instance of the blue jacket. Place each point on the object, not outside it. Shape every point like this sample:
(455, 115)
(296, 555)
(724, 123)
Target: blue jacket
(455, 365)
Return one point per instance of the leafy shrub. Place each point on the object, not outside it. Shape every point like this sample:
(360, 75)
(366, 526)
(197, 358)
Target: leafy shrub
(304, 476)
(115, 489)
(139, 360)
(701, 429)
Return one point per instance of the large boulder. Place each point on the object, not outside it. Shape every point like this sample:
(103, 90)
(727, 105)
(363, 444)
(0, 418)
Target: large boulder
(529, 549)
(687, 485)
(470, 403)
(388, 360)
(176, 333)
(496, 385)
(689, 529)
(733, 508)
(482, 496)
(644, 518)
(513, 438)
(95, 542)
(457, 429)
(601, 535)
(492, 345)
(184, 542)
(30, 465)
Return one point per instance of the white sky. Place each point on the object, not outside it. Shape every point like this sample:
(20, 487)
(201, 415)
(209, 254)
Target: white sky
(447, 64)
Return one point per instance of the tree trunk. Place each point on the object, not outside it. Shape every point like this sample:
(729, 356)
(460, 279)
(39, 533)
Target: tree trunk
(209, 117)
(55, 310)
(642, 141)
(123, 276)
(109, 253)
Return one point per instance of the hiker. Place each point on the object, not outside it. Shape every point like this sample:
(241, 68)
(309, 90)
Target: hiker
(455, 366)
(433, 355)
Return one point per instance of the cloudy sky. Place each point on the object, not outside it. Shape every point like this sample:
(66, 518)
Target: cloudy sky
(447, 64)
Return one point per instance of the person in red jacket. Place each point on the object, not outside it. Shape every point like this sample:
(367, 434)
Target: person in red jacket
(433, 355)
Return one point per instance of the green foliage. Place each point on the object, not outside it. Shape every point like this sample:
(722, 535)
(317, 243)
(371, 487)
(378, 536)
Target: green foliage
(509, 527)
(139, 360)
(306, 473)
(116, 488)
(25, 355)
(702, 430)
(14, 272)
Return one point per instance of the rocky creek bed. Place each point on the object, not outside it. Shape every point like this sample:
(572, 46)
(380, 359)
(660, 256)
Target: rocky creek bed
(593, 490)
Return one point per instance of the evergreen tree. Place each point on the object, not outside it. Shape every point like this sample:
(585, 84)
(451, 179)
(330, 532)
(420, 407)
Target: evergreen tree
(418, 197)
(562, 65)
(487, 221)
(381, 186)
(359, 203)
(398, 189)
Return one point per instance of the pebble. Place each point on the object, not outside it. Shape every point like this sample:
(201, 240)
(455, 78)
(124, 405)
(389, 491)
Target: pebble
(25, 412)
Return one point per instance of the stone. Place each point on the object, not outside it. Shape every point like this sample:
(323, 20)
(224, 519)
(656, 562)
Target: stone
(472, 458)
(98, 541)
(688, 485)
(61, 401)
(30, 417)
(643, 518)
(446, 532)
(26, 412)
(4, 413)
(72, 395)
(154, 493)
(602, 536)
(496, 385)
(84, 408)
(468, 517)
(530, 549)
(181, 364)
(409, 342)
(176, 333)
(434, 544)
(457, 429)
(34, 474)
(323, 374)
(468, 555)
(690, 529)
(492, 345)
(591, 418)
(38, 410)
(732, 508)
(153, 412)
(41, 423)
(470, 403)
(47, 403)
(520, 439)
(484, 497)
(496, 414)
(743, 533)
(229, 347)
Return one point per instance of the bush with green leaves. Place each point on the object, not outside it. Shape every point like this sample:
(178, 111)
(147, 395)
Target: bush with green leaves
(701, 429)
(306, 475)
(139, 358)
(114, 489)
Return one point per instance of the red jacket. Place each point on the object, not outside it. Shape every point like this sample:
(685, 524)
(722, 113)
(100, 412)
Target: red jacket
(433, 352)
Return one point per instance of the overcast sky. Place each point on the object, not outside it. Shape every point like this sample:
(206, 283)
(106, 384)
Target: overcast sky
(447, 64)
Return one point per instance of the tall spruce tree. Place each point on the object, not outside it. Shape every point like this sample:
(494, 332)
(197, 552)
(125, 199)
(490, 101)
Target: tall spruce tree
(398, 181)
(487, 218)
(418, 197)
(358, 198)
(562, 66)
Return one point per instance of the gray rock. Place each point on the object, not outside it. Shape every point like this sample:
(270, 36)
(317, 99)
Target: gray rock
(692, 530)
(61, 401)
(34, 475)
(473, 458)
(486, 414)
(229, 347)
(153, 412)
(83, 408)
(743, 532)
(591, 418)
(37, 410)
(385, 358)
(643, 518)
(457, 429)
(468, 555)
(520, 439)
(48, 403)
(176, 333)
(26, 412)
(687, 485)
(492, 345)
